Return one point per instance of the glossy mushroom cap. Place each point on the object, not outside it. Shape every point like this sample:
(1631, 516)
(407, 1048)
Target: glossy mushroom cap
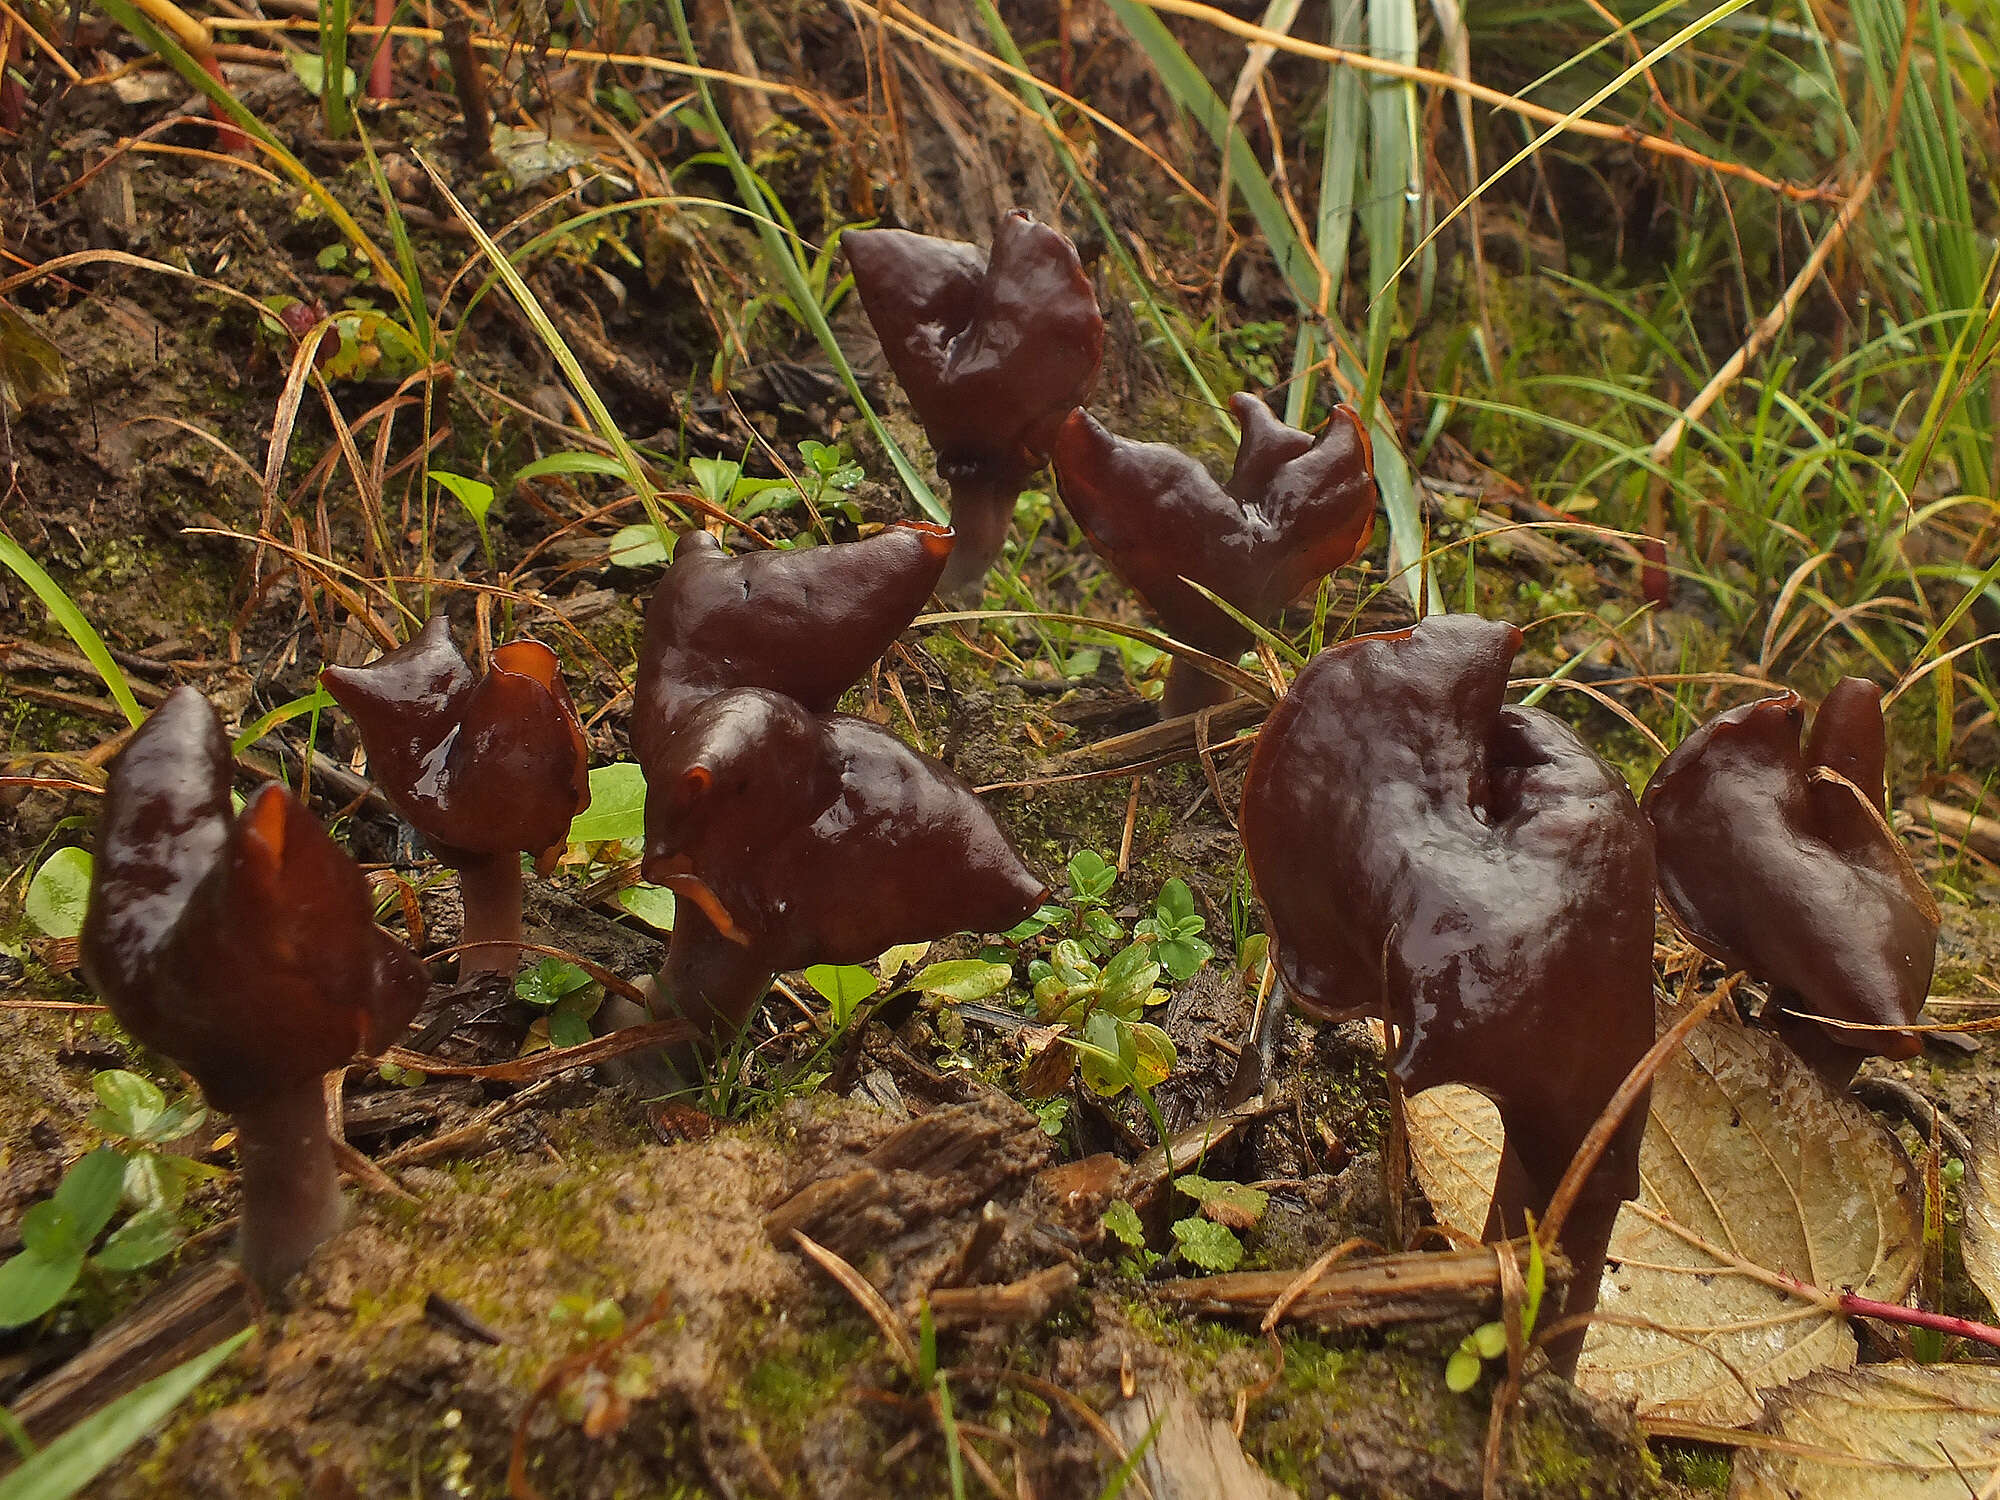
(245, 948)
(807, 623)
(485, 767)
(1295, 509)
(795, 839)
(992, 350)
(1472, 873)
(1778, 862)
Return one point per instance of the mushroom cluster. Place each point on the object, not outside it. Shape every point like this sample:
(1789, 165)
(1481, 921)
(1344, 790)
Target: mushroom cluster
(795, 835)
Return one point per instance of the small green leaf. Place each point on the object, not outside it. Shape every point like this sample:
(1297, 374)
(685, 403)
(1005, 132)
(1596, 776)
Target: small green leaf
(1175, 903)
(568, 1029)
(844, 986)
(127, 1104)
(1156, 1058)
(1046, 915)
(1461, 1371)
(1208, 1245)
(894, 960)
(1121, 1220)
(1489, 1340)
(1091, 875)
(639, 545)
(715, 478)
(1182, 957)
(475, 495)
(1127, 980)
(83, 1201)
(651, 904)
(963, 979)
(139, 1241)
(1111, 1059)
(548, 981)
(617, 807)
(1256, 948)
(31, 1283)
(1233, 1204)
(572, 463)
(59, 893)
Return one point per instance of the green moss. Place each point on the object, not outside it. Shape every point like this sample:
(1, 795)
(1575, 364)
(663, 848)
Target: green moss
(799, 1373)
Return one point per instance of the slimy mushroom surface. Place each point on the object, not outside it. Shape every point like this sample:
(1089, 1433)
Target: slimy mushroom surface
(1296, 508)
(244, 948)
(1472, 873)
(1775, 859)
(993, 350)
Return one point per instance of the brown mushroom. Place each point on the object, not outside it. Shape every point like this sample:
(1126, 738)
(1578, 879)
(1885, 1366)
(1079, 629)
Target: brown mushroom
(245, 949)
(1778, 862)
(805, 623)
(1473, 874)
(1296, 508)
(992, 351)
(795, 838)
(485, 770)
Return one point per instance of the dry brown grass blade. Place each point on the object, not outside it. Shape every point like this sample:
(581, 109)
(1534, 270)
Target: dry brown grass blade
(871, 1301)
(1601, 130)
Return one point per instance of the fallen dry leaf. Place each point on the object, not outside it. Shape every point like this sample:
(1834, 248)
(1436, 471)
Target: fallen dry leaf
(1749, 1164)
(1882, 1432)
(1979, 1243)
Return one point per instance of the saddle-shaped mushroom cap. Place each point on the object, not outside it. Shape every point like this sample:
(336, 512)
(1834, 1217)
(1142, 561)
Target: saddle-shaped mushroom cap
(796, 839)
(1472, 873)
(806, 623)
(1777, 861)
(487, 770)
(1296, 508)
(244, 947)
(992, 350)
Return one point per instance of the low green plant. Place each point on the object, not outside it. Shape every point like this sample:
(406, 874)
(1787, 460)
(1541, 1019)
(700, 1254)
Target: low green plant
(1086, 915)
(1175, 931)
(60, 1236)
(1489, 1340)
(567, 998)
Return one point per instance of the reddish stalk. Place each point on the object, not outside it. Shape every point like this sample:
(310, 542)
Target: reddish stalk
(291, 1192)
(381, 76)
(490, 887)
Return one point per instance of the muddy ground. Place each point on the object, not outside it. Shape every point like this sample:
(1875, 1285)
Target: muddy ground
(463, 1315)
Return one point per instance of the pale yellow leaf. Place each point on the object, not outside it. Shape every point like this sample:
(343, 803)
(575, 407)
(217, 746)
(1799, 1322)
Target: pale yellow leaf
(1980, 1241)
(1881, 1432)
(1749, 1163)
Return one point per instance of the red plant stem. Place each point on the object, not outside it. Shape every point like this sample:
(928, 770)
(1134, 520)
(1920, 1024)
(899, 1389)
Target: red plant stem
(291, 1193)
(490, 887)
(228, 136)
(1855, 1306)
(381, 69)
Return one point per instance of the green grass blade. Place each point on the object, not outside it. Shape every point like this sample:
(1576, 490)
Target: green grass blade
(786, 262)
(65, 613)
(559, 349)
(1003, 42)
(94, 1444)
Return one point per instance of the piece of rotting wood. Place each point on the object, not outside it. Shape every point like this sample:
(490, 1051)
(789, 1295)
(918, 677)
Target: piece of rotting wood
(1026, 1301)
(1373, 1292)
(187, 1316)
(1168, 736)
(1191, 1457)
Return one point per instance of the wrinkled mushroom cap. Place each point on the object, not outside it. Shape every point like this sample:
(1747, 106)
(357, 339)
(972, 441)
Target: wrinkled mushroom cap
(242, 947)
(483, 767)
(815, 839)
(992, 350)
(1777, 861)
(805, 623)
(1295, 509)
(1468, 870)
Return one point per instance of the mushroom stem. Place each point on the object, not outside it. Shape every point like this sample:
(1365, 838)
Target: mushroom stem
(490, 888)
(1834, 1062)
(291, 1193)
(981, 511)
(712, 982)
(1189, 689)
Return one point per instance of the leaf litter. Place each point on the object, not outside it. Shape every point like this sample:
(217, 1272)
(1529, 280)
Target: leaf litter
(1750, 1167)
